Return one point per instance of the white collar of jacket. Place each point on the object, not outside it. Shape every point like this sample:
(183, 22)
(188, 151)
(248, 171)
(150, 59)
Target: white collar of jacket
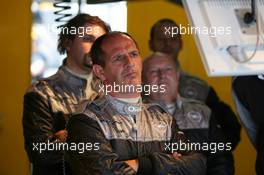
(124, 107)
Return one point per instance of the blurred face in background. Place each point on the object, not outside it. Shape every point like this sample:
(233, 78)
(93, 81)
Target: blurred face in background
(160, 69)
(163, 40)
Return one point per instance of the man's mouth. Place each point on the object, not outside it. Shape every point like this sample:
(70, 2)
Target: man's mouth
(167, 50)
(162, 83)
(131, 74)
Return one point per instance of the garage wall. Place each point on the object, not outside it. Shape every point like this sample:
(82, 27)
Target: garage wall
(15, 44)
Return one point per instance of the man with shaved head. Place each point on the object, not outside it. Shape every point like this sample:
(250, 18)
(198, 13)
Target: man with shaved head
(128, 136)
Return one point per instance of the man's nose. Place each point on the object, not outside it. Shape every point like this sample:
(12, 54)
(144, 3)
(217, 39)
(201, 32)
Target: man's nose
(129, 60)
(161, 73)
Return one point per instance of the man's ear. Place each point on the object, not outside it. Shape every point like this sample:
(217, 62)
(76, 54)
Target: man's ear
(178, 74)
(68, 44)
(99, 72)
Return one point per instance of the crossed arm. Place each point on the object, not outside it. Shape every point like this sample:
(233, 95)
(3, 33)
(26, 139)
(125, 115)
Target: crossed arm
(83, 129)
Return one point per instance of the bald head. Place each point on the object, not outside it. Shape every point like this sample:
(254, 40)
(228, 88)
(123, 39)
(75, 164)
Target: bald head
(97, 51)
(117, 61)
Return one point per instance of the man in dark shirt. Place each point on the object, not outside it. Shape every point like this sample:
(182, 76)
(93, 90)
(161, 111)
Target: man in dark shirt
(163, 40)
(193, 117)
(50, 102)
(249, 95)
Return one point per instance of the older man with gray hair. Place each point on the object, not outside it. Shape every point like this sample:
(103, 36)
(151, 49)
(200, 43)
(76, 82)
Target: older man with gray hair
(193, 117)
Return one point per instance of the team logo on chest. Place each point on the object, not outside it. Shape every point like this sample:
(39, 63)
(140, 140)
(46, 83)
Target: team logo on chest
(190, 92)
(194, 116)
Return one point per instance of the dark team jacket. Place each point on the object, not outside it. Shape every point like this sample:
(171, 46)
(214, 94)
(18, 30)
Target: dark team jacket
(195, 88)
(124, 133)
(48, 104)
(250, 93)
(195, 119)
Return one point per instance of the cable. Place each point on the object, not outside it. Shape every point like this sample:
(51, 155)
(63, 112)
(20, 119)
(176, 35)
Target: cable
(61, 5)
(233, 50)
(258, 34)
